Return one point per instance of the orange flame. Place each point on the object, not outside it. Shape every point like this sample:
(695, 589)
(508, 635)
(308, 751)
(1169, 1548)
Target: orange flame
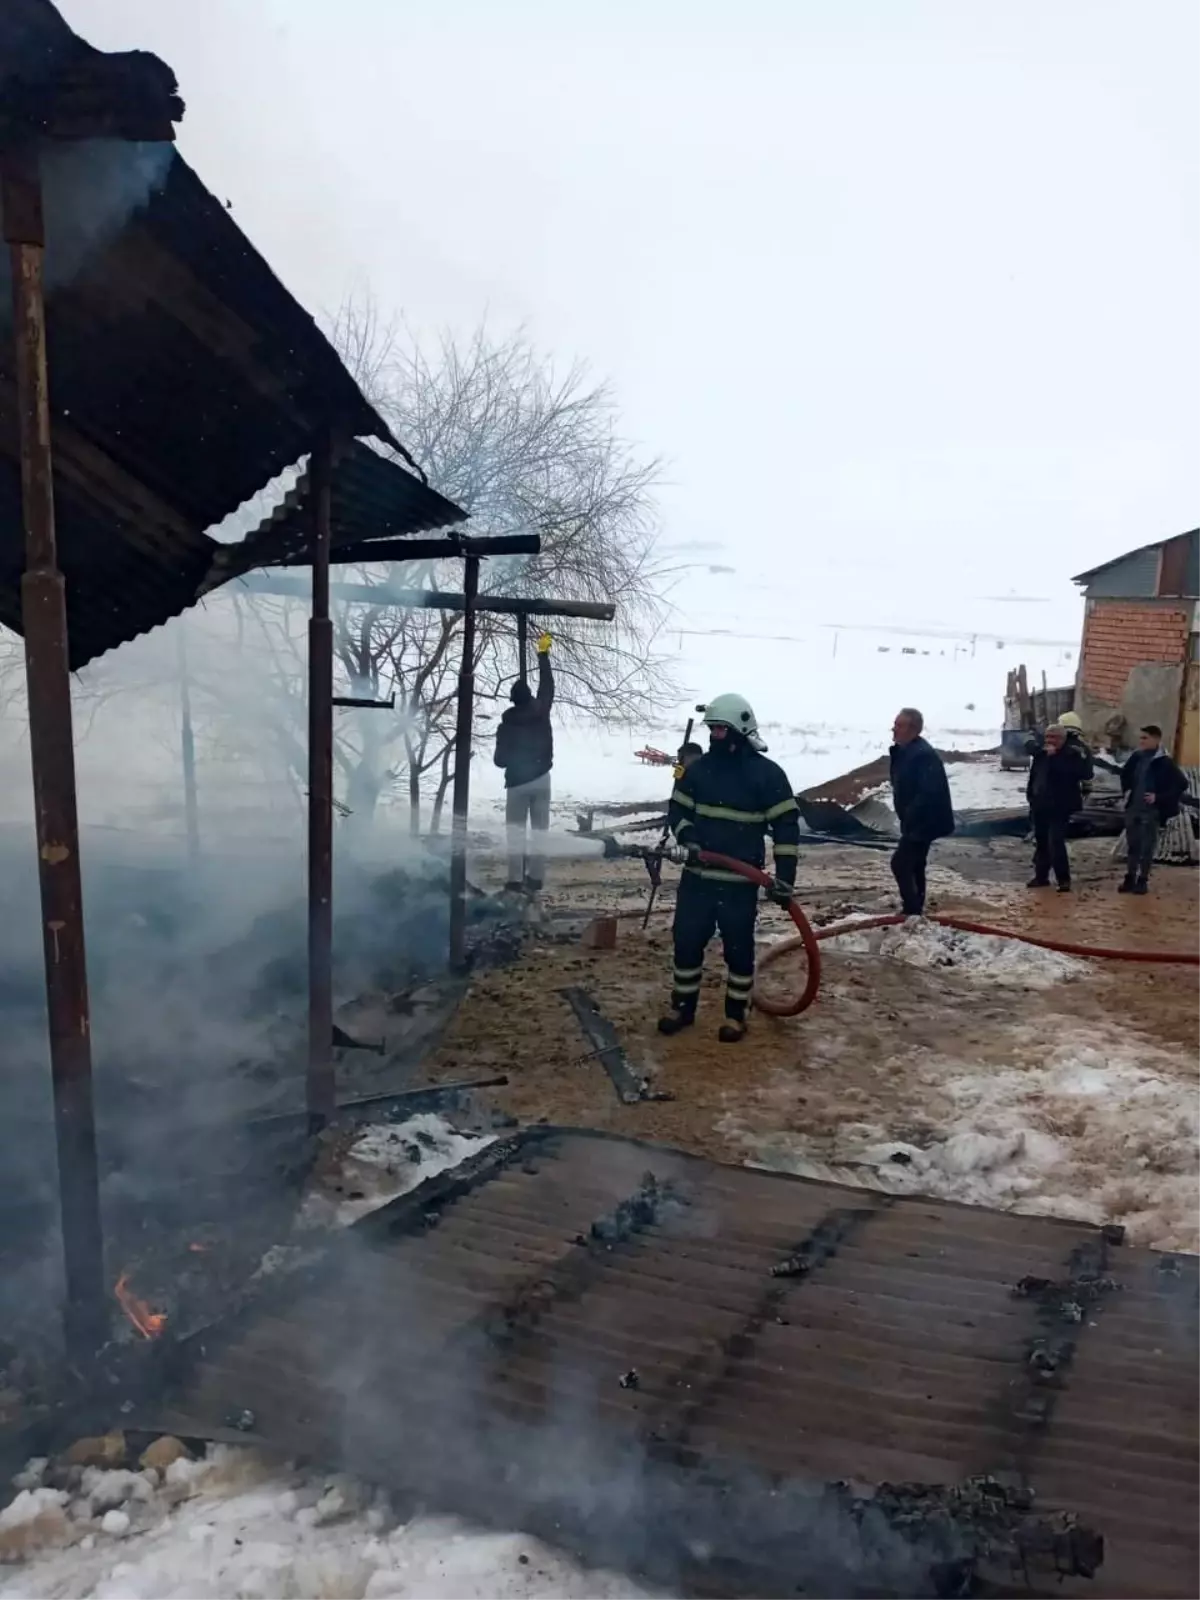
(148, 1323)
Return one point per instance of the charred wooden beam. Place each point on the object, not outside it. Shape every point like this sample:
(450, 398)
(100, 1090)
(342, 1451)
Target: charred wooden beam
(462, 769)
(353, 701)
(599, 1031)
(319, 1084)
(386, 594)
(52, 749)
(517, 544)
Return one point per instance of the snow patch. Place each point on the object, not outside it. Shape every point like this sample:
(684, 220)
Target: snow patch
(257, 1533)
(929, 945)
(1085, 1132)
(385, 1161)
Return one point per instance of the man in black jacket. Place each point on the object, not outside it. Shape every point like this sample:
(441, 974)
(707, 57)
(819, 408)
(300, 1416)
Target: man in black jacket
(525, 750)
(1058, 769)
(1153, 787)
(921, 796)
(726, 802)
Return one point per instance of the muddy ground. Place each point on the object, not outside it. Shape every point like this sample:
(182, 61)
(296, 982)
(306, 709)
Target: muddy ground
(1061, 1087)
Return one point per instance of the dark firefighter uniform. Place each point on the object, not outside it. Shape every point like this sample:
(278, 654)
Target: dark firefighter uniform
(727, 803)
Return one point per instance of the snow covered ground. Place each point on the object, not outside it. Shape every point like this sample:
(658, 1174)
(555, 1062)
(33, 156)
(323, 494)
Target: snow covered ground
(1084, 1132)
(987, 960)
(235, 1527)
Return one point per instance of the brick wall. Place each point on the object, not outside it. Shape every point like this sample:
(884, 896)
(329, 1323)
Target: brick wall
(1119, 635)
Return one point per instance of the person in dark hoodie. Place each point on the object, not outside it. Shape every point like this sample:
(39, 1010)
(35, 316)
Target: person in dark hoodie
(525, 750)
(1153, 786)
(1058, 769)
(921, 796)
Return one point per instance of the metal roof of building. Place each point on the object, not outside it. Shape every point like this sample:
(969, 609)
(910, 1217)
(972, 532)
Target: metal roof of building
(183, 375)
(1155, 544)
(370, 498)
(736, 1381)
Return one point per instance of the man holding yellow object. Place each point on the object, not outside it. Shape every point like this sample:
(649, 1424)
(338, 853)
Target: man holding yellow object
(525, 751)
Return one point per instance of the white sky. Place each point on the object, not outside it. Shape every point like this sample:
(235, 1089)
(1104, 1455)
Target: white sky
(903, 290)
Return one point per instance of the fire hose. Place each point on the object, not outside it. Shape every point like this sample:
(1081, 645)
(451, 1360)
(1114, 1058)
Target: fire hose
(808, 939)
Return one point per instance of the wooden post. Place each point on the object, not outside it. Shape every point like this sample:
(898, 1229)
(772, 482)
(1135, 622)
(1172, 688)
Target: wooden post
(462, 769)
(320, 1088)
(523, 646)
(187, 747)
(52, 749)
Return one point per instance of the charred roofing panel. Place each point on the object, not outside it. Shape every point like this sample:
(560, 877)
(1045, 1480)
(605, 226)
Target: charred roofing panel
(371, 498)
(718, 1376)
(183, 375)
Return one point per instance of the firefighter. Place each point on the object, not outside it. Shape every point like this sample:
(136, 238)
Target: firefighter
(726, 802)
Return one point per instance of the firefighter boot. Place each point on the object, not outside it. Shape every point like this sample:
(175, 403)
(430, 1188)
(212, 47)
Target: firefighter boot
(733, 1029)
(681, 1016)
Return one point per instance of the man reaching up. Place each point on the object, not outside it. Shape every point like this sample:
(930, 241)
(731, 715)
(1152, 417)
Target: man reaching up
(525, 750)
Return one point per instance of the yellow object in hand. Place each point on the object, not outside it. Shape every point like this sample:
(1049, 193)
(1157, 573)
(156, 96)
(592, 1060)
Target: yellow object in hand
(543, 645)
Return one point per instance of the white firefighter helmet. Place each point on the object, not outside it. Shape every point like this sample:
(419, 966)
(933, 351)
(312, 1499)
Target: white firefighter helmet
(1070, 719)
(732, 711)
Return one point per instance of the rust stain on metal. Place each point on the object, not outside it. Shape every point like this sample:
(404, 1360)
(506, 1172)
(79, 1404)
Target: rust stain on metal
(54, 855)
(474, 1341)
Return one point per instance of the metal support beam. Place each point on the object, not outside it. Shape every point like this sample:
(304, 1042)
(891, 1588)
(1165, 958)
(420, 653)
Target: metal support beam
(320, 1096)
(187, 746)
(462, 770)
(52, 749)
(523, 646)
(359, 704)
(386, 594)
(516, 544)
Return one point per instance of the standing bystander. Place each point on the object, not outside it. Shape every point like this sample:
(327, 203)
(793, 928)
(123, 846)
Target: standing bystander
(1153, 786)
(921, 796)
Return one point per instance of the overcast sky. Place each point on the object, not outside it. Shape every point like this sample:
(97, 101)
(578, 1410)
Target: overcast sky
(903, 290)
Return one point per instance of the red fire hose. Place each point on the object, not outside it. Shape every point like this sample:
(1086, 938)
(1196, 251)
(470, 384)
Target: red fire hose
(808, 939)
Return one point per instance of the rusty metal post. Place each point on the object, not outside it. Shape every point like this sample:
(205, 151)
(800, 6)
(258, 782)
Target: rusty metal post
(187, 747)
(320, 1095)
(52, 748)
(462, 769)
(523, 646)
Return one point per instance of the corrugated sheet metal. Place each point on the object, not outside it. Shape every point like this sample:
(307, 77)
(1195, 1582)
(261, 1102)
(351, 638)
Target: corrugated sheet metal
(371, 498)
(671, 1365)
(183, 375)
(1191, 586)
(1133, 577)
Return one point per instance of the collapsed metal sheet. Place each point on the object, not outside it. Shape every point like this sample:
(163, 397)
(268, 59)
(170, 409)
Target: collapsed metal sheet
(712, 1375)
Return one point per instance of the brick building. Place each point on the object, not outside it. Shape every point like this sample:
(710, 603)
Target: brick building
(1138, 662)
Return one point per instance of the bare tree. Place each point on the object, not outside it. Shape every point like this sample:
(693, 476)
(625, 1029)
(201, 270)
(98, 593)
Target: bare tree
(522, 448)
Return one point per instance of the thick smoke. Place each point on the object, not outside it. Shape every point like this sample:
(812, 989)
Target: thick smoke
(197, 966)
(90, 190)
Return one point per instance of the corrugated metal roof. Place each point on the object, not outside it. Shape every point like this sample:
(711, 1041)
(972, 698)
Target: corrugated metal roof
(1141, 550)
(183, 375)
(680, 1367)
(371, 498)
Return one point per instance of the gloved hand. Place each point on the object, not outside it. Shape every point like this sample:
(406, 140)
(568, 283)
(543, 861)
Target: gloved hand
(543, 644)
(780, 894)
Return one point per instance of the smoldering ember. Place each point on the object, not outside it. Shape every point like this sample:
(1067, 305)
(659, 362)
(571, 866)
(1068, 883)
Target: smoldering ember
(606, 1034)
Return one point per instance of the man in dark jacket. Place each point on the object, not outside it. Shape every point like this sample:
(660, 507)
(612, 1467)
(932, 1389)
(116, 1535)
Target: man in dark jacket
(1153, 787)
(921, 796)
(726, 802)
(525, 750)
(1058, 769)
